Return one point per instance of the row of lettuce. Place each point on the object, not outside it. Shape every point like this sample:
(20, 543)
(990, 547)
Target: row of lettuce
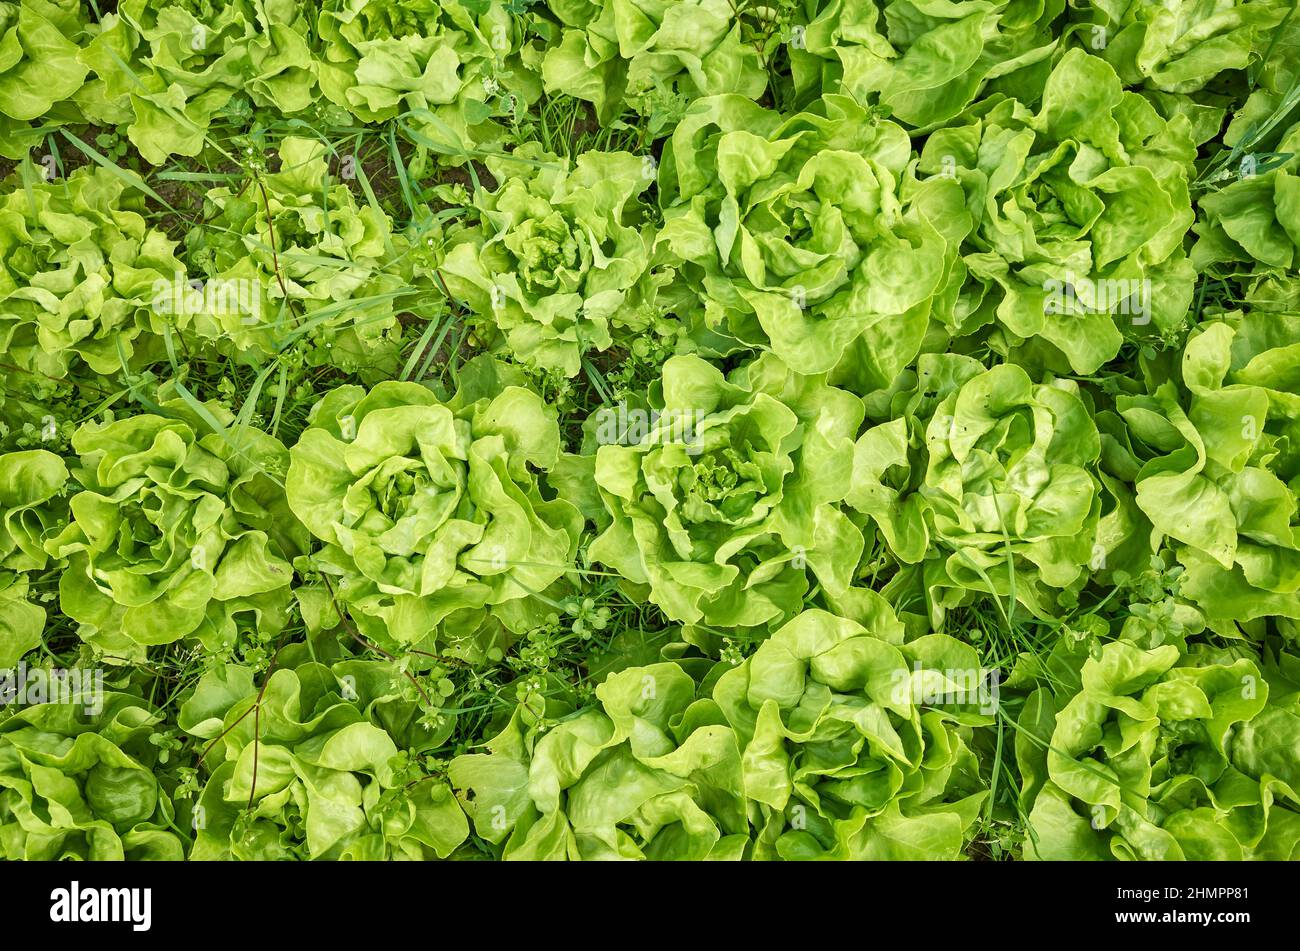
(951, 277)
(810, 748)
(1051, 236)
(458, 70)
(447, 527)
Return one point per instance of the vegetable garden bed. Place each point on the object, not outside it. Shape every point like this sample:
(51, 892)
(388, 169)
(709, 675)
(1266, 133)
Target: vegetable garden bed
(594, 429)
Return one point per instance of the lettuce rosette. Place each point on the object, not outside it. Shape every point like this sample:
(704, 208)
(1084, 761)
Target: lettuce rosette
(335, 273)
(78, 781)
(856, 744)
(560, 258)
(434, 521)
(165, 71)
(1216, 469)
(1080, 212)
(446, 67)
(327, 768)
(620, 53)
(32, 510)
(79, 268)
(923, 61)
(178, 532)
(1004, 500)
(1159, 753)
(40, 73)
(1009, 485)
(792, 236)
(725, 510)
(648, 772)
